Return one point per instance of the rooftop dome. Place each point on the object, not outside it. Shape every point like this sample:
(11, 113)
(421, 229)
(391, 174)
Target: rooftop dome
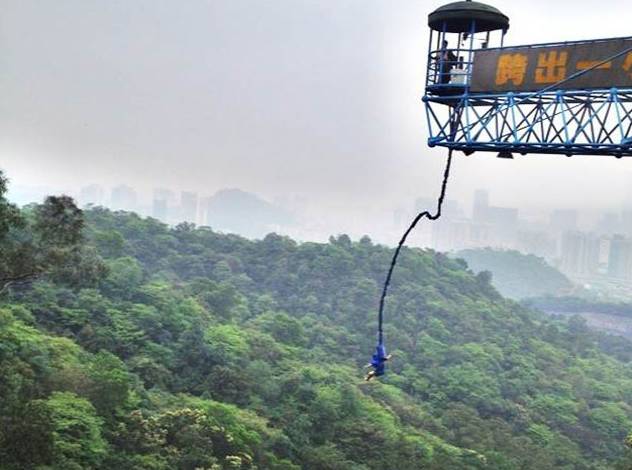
(458, 17)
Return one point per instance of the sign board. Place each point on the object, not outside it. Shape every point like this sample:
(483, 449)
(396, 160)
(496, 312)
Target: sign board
(536, 67)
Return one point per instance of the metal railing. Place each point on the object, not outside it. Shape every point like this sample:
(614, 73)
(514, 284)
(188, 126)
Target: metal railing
(443, 73)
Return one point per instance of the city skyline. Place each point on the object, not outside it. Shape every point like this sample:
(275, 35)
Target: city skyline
(478, 222)
(242, 106)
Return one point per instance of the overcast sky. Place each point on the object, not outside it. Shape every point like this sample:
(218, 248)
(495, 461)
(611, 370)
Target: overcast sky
(313, 98)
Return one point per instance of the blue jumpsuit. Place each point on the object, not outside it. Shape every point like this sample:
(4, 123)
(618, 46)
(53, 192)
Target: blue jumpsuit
(378, 360)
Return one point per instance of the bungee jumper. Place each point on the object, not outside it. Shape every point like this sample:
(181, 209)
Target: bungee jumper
(378, 362)
(565, 98)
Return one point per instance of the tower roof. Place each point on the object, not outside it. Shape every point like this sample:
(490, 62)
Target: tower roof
(458, 16)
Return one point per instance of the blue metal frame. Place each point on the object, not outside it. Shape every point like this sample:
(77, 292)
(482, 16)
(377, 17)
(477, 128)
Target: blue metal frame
(575, 122)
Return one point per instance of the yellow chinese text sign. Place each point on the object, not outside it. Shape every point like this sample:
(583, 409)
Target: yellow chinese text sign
(533, 68)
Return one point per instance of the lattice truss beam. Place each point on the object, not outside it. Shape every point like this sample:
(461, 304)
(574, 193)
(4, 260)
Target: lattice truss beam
(571, 123)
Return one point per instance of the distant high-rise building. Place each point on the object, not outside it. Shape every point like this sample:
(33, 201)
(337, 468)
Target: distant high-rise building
(448, 235)
(536, 243)
(502, 222)
(609, 224)
(205, 211)
(189, 206)
(424, 204)
(564, 220)
(626, 221)
(159, 210)
(451, 210)
(480, 235)
(481, 205)
(580, 253)
(163, 201)
(165, 195)
(627, 197)
(502, 216)
(604, 251)
(92, 194)
(400, 217)
(620, 257)
(124, 198)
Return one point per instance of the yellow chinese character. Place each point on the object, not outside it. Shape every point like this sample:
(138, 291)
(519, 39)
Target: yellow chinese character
(511, 68)
(551, 67)
(593, 64)
(627, 64)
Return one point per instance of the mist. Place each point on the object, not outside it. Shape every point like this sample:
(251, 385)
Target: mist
(316, 101)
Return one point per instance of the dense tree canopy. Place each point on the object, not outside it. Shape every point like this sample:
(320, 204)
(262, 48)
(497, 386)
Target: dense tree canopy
(193, 349)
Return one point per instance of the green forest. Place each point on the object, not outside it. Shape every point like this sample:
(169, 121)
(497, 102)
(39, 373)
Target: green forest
(128, 344)
(516, 275)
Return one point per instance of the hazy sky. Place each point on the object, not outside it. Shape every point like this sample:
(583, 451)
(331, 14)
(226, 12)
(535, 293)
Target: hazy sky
(313, 98)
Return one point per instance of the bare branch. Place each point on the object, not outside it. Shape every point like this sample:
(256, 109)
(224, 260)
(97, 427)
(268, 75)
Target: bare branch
(7, 282)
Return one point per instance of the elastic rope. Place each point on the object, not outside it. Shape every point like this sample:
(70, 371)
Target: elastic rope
(429, 216)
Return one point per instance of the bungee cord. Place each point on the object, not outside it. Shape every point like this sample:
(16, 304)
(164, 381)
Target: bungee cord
(400, 245)
(380, 357)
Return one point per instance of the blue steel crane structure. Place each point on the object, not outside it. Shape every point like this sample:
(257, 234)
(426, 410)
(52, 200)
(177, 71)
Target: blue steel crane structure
(570, 98)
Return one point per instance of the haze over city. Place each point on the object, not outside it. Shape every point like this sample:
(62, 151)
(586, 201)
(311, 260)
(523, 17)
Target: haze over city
(314, 105)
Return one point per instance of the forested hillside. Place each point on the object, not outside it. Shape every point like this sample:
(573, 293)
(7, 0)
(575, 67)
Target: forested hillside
(516, 275)
(144, 347)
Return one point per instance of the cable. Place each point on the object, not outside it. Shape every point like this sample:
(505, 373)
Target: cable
(577, 74)
(429, 216)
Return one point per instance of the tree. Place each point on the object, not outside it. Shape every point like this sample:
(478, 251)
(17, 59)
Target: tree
(26, 437)
(44, 239)
(76, 432)
(110, 385)
(124, 276)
